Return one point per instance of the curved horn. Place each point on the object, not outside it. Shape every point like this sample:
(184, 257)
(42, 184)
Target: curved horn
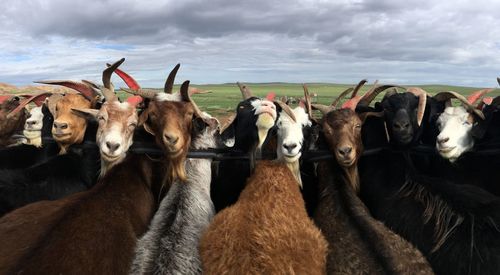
(84, 89)
(475, 96)
(146, 93)
(109, 89)
(129, 80)
(187, 98)
(287, 110)
(372, 94)
(245, 91)
(340, 97)
(323, 108)
(422, 100)
(307, 99)
(169, 84)
(444, 96)
(498, 80)
(351, 103)
(26, 101)
(358, 87)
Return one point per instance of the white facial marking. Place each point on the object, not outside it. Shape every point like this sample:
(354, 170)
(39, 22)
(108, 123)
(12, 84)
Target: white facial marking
(169, 97)
(264, 106)
(35, 121)
(290, 135)
(455, 135)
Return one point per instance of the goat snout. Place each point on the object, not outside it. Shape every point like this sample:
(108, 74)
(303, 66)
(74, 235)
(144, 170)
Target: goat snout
(401, 125)
(60, 125)
(112, 146)
(443, 140)
(290, 147)
(172, 139)
(30, 122)
(345, 151)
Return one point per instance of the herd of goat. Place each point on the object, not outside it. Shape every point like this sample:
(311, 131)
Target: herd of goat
(90, 184)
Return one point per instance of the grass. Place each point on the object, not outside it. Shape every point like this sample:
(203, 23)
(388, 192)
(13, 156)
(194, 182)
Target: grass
(224, 97)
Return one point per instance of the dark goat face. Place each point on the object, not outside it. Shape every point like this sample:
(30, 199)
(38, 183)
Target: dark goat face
(9, 125)
(342, 130)
(254, 118)
(400, 111)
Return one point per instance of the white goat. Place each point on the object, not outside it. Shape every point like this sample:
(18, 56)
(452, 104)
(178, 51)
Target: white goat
(171, 244)
(455, 124)
(291, 138)
(33, 127)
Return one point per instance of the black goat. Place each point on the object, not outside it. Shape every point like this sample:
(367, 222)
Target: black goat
(59, 176)
(254, 119)
(455, 226)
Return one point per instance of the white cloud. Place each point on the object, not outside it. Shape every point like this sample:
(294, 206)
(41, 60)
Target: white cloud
(449, 42)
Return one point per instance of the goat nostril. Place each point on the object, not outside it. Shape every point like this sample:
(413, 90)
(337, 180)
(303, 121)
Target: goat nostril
(171, 139)
(112, 146)
(344, 151)
(443, 140)
(60, 125)
(31, 123)
(290, 147)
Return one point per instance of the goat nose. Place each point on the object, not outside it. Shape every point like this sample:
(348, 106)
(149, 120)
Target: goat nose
(60, 125)
(30, 122)
(290, 147)
(401, 125)
(112, 146)
(344, 151)
(171, 139)
(443, 140)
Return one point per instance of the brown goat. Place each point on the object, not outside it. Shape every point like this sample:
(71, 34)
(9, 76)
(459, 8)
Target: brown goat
(358, 243)
(9, 125)
(267, 231)
(93, 232)
(69, 127)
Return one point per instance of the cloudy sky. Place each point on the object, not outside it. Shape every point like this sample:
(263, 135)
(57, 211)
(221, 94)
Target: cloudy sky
(341, 41)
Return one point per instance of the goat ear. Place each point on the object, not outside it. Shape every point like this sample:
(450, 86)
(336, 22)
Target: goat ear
(365, 115)
(143, 121)
(86, 113)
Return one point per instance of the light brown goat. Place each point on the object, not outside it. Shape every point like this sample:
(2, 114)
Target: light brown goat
(267, 231)
(358, 243)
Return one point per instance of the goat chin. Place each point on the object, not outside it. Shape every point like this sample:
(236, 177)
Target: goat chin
(33, 137)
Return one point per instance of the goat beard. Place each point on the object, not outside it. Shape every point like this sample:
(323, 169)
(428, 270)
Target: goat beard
(175, 168)
(33, 137)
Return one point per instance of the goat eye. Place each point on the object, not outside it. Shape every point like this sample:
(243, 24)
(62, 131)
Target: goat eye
(358, 126)
(467, 123)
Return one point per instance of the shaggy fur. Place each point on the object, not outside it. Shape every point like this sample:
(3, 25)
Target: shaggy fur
(267, 231)
(171, 244)
(92, 232)
(455, 226)
(358, 243)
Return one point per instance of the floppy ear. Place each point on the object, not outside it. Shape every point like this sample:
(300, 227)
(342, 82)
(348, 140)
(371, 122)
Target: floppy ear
(143, 120)
(365, 115)
(86, 113)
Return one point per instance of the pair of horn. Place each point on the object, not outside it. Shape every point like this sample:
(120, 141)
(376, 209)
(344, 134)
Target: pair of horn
(87, 88)
(185, 91)
(135, 89)
(247, 93)
(467, 103)
(36, 98)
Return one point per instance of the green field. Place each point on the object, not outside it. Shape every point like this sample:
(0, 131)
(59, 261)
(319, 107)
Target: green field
(224, 97)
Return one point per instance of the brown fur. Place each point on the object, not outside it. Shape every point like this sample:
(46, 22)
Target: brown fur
(92, 232)
(359, 244)
(76, 124)
(9, 126)
(172, 118)
(267, 231)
